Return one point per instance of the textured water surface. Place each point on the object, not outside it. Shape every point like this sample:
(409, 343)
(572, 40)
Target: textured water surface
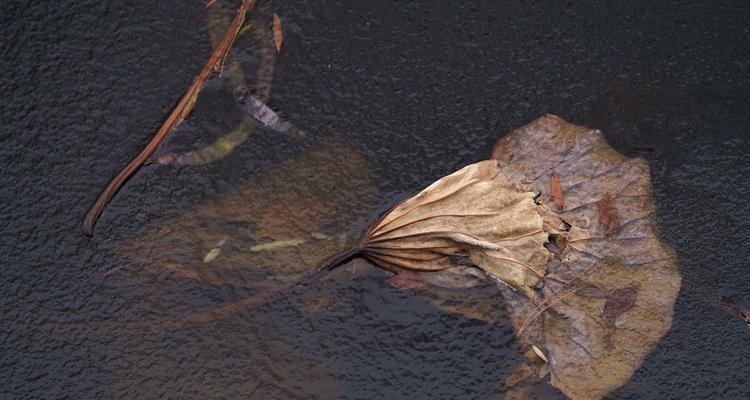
(413, 91)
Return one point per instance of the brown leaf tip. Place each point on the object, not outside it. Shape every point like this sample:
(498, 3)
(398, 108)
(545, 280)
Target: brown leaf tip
(608, 214)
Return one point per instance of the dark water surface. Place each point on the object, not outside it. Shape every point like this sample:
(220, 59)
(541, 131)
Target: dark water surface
(417, 91)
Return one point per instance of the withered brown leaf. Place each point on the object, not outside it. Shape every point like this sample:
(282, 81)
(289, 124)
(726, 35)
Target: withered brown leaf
(475, 215)
(594, 339)
(600, 301)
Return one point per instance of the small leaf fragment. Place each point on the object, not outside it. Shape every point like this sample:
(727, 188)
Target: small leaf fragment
(211, 255)
(222, 242)
(556, 189)
(608, 214)
(539, 353)
(278, 36)
(244, 29)
(278, 244)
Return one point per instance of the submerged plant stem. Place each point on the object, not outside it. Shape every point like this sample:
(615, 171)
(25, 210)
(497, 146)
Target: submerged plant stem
(255, 300)
(177, 115)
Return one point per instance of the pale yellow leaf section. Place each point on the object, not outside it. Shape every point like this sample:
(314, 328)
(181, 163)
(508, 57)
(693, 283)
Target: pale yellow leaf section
(473, 216)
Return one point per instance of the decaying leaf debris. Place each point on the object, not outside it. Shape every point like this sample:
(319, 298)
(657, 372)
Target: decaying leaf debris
(589, 286)
(475, 216)
(618, 282)
(278, 34)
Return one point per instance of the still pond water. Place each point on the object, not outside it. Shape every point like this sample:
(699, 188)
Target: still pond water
(392, 97)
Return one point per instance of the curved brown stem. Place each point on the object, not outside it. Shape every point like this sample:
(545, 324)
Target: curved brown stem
(175, 117)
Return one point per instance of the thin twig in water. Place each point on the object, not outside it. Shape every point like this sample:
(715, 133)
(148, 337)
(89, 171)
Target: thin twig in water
(175, 117)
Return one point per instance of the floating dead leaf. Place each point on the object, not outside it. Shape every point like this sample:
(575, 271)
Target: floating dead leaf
(610, 287)
(597, 298)
(278, 35)
(473, 216)
(558, 198)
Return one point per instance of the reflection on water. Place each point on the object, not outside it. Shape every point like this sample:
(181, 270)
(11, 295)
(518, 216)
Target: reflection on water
(273, 229)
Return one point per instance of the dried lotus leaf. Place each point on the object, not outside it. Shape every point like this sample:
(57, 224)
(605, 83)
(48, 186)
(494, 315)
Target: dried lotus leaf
(598, 298)
(594, 300)
(612, 286)
(474, 216)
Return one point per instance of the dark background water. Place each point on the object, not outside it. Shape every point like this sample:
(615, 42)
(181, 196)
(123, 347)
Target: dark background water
(419, 90)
